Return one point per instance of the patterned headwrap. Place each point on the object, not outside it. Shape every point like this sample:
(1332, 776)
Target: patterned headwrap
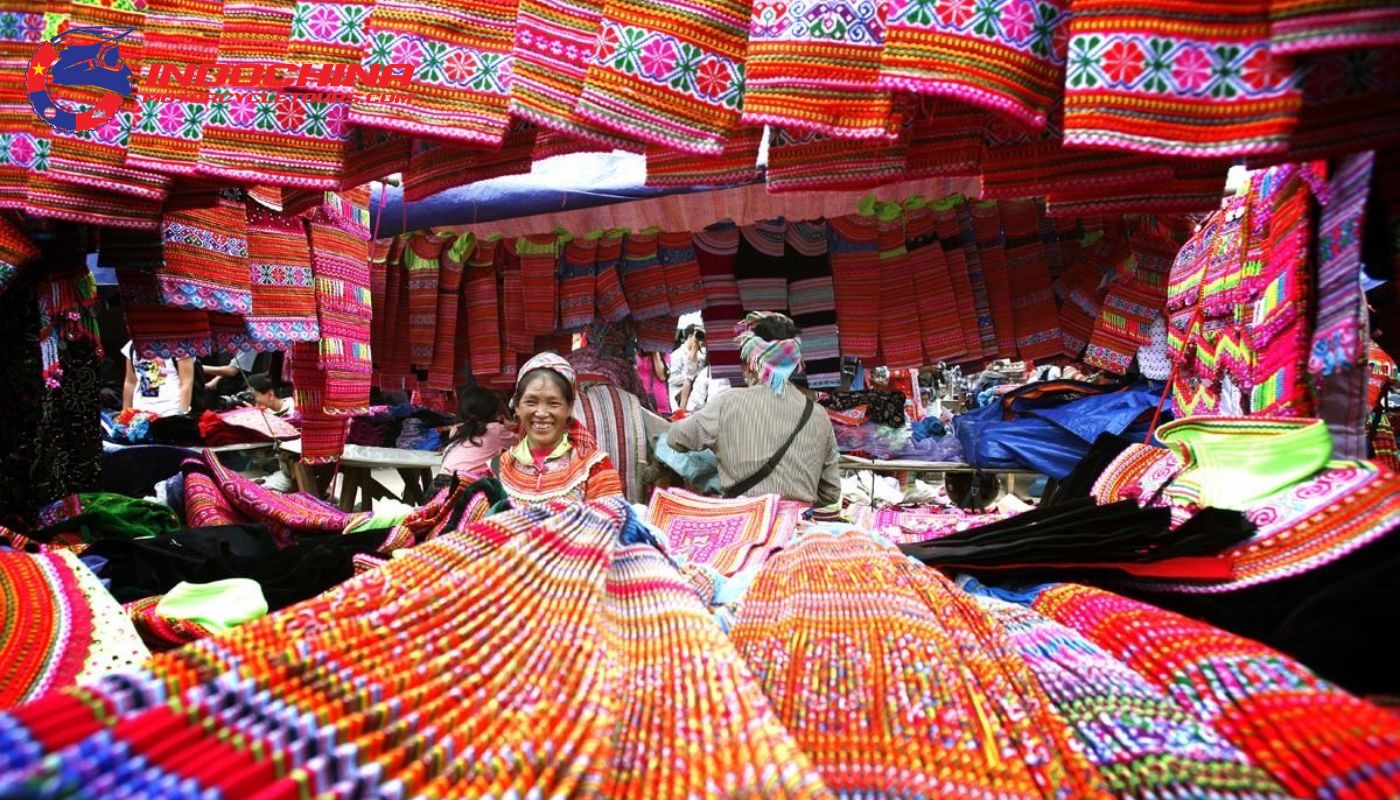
(773, 362)
(579, 435)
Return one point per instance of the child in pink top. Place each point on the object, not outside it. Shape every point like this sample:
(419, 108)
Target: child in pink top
(480, 437)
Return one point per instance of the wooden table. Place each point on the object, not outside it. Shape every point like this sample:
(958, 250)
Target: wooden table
(416, 467)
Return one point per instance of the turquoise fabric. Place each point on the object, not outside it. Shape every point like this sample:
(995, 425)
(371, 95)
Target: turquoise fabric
(700, 468)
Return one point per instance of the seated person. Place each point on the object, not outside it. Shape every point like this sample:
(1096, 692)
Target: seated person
(481, 436)
(265, 396)
(767, 437)
(160, 386)
(557, 457)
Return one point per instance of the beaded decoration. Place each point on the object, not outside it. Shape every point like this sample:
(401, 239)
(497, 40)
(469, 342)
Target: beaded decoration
(45, 625)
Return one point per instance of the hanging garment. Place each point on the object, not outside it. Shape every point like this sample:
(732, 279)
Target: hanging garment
(1125, 319)
(901, 344)
(853, 242)
(1279, 329)
(737, 162)
(539, 257)
(716, 250)
(946, 139)
(685, 289)
(813, 66)
(812, 301)
(421, 257)
(952, 220)
(206, 259)
(937, 302)
(23, 33)
(991, 252)
(1034, 313)
(279, 267)
(800, 161)
(643, 279)
(16, 250)
(759, 268)
(156, 330)
(1349, 104)
(483, 326)
(330, 33)
(1006, 57)
(1310, 26)
(609, 297)
(1194, 188)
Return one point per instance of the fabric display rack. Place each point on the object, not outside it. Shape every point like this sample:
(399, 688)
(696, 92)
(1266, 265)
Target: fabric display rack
(1188, 610)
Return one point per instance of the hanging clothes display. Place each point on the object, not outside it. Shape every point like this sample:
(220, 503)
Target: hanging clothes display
(759, 268)
(283, 302)
(451, 310)
(737, 162)
(1034, 312)
(901, 345)
(936, 300)
(483, 321)
(854, 247)
(716, 250)
(812, 302)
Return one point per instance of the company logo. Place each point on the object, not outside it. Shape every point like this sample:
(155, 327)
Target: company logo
(62, 62)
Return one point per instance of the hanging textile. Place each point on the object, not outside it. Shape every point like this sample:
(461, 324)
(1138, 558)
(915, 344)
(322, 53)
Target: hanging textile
(1194, 188)
(421, 256)
(461, 54)
(737, 162)
(685, 289)
(283, 292)
(333, 33)
(393, 361)
(1351, 102)
(339, 237)
(1279, 332)
(156, 330)
(952, 219)
(551, 143)
(1308, 26)
(1338, 357)
(813, 66)
(759, 268)
(986, 224)
(539, 258)
(1206, 86)
(940, 331)
(483, 320)
(643, 280)
(554, 42)
(945, 140)
(451, 308)
(667, 78)
(716, 249)
(1032, 299)
(518, 344)
(1332, 735)
(21, 33)
(901, 343)
(807, 161)
(16, 250)
(576, 289)
(812, 303)
(1125, 320)
(854, 244)
(206, 259)
(609, 297)
(374, 155)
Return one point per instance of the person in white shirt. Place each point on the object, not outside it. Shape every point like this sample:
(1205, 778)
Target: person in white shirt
(161, 386)
(688, 359)
(265, 396)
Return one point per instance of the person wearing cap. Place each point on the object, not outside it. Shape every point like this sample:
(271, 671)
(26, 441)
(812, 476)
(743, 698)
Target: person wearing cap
(557, 458)
(769, 437)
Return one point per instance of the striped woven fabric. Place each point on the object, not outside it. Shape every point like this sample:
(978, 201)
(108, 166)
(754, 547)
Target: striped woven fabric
(643, 279)
(1351, 102)
(330, 32)
(21, 32)
(759, 267)
(1032, 298)
(1006, 56)
(97, 158)
(340, 250)
(518, 344)
(1334, 739)
(1312, 26)
(945, 228)
(658, 334)
(685, 289)
(393, 362)
(854, 244)
(551, 143)
(461, 53)
(1124, 324)
(1195, 188)
(16, 250)
(991, 252)
(841, 599)
(156, 330)
(668, 74)
(49, 626)
(937, 302)
(381, 250)
(437, 166)
(374, 155)
(451, 307)
(614, 417)
(812, 302)
(206, 259)
(576, 265)
(539, 266)
(554, 40)
(483, 317)
(812, 65)
(165, 136)
(1191, 78)
(716, 249)
(512, 157)
(609, 298)
(737, 162)
(901, 341)
(810, 161)
(946, 139)
(1141, 741)
(322, 435)
(421, 257)
(952, 219)
(1280, 332)
(279, 270)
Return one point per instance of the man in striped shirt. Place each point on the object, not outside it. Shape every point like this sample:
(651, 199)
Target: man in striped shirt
(768, 437)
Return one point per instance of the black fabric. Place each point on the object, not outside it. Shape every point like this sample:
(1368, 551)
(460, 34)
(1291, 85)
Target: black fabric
(145, 567)
(882, 408)
(22, 400)
(1079, 532)
(69, 445)
(1079, 484)
(177, 430)
(738, 489)
(135, 469)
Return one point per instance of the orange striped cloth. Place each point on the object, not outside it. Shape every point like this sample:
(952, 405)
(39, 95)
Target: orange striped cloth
(643, 279)
(808, 161)
(854, 244)
(901, 341)
(461, 54)
(156, 330)
(685, 289)
(283, 292)
(451, 310)
(953, 222)
(331, 32)
(946, 139)
(539, 264)
(421, 256)
(576, 289)
(206, 259)
(1032, 297)
(937, 301)
(737, 162)
(518, 342)
(986, 223)
(391, 347)
(609, 298)
(483, 316)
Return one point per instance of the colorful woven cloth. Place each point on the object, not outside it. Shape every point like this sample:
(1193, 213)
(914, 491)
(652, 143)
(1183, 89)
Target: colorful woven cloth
(643, 278)
(1181, 79)
(339, 236)
(554, 41)
(952, 220)
(945, 140)
(811, 298)
(206, 259)
(812, 65)
(483, 326)
(1142, 742)
(1280, 331)
(1309, 26)
(421, 256)
(773, 362)
(614, 417)
(451, 309)
(685, 289)
(286, 516)
(716, 249)
(806, 161)
(854, 245)
(162, 633)
(759, 268)
(1194, 188)
(863, 709)
(724, 534)
(461, 54)
(1350, 100)
(609, 298)
(1125, 320)
(156, 330)
(939, 329)
(1336, 743)
(1028, 275)
(668, 78)
(576, 283)
(1006, 56)
(330, 32)
(47, 625)
(16, 250)
(279, 269)
(991, 253)
(21, 32)
(737, 162)
(539, 258)
(901, 343)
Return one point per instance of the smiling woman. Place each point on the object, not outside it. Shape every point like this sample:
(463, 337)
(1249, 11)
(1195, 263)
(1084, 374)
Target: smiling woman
(557, 457)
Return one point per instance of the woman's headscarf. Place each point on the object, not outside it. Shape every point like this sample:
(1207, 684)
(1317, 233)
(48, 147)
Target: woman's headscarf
(773, 362)
(579, 435)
